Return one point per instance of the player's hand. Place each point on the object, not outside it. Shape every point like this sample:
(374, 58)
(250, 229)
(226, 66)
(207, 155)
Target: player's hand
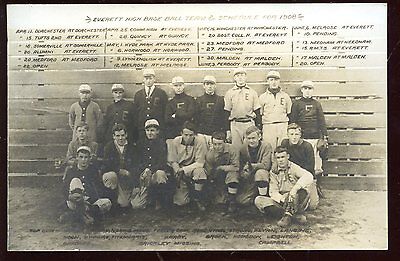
(75, 197)
(245, 174)
(228, 136)
(179, 173)
(124, 172)
(292, 193)
(221, 168)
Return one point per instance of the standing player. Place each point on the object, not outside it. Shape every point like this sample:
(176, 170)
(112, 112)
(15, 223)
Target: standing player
(244, 107)
(150, 102)
(255, 163)
(275, 107)
(210, 114)
(222, 167)
(85, 195)
(119, 165)
(120, 111)
(288, 190)
(186, 156)
(179, 109)
(307, 112)
(151, 163)
(87, 111)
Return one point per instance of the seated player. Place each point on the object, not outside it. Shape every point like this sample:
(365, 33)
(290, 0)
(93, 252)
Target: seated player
(179, 109)
(151, 159)
(222, 167)
(118, 166)
(255, 163)
(288, 190)
(84, 192)
(186, 156)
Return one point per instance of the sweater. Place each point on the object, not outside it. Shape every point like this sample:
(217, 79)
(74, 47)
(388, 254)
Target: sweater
(183, 106)
(301, 153)
(210, 115)
(91, 114)
(264, 156)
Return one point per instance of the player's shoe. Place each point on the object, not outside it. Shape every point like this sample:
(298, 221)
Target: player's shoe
(301, 219)
(232, 207)
(200, 206)
(285, 221)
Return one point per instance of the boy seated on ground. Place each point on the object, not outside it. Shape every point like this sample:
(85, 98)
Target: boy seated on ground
(85, 195)
(118, 167)
(151, 165)
(222, 167)
(255, 164)
(288, 191)
(186, 156)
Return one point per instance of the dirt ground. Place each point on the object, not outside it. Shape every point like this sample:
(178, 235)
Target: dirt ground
(344, 220)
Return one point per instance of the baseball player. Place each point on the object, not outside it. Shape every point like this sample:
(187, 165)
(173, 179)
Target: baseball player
(151, 163)
(150, 102)
(87, 111)
(288, 190)
(84, 192)
(120, 111)
(186, 156)
(222, 167)
(210, 115)
(179, 109)
(275, 107)
(243, 105)
(255, 163)
(307, 112)
(119, 165)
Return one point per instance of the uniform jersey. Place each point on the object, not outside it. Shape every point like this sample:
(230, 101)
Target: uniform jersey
(275, 108)
(183, 106)
(90, 114)
(210, 115)
(151, 154)
(228, 157)
(308, 113)
(241, 102)
(301, 153)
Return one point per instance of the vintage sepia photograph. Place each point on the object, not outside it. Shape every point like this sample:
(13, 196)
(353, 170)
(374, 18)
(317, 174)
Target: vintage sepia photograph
(216, 127)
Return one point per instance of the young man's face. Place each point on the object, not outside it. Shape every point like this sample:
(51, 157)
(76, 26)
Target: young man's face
(240, 79)
(253, 139)
(117, 95)
(84, 96)
(273, 82)
(218, 145)
(83, 159)
(149, 80)
(81, 132)
(294, 135)
(187, 136)
(307, 92)
(120, 137)
(152, 133)
(209, 88)
(282, 159)
(178, 88)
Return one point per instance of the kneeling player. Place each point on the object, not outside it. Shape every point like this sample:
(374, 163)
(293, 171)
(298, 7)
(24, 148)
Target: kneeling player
(151, 157)
(289, 196)
(222, 166)
(85, 194)
(186, 155)
(255, 164)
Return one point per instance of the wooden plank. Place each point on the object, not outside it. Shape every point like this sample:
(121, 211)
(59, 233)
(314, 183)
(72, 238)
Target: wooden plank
(103, 91)
(32, 166)
(52, 106)
(356, 121)
(49, 122)
(355, 167)
(37, 152)
(39, 137)
(358, 136)
(357, 151)
(354, 183)
(193, 75)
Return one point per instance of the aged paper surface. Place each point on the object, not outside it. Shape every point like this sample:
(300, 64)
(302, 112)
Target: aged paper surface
(52, 49)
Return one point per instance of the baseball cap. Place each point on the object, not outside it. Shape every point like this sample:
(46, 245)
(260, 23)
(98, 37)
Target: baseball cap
(209, 78)
(86, 148)
(151, 123)
(148, 72)
(177, 79)
(273, 74)
(85, 88)
(307, 84)
(239, 70)
(252, 129)
(117, 86)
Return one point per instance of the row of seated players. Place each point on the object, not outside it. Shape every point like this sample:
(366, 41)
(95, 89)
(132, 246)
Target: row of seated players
(147, 173)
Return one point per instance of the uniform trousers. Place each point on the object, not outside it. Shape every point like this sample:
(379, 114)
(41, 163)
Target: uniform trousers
(181, 196)
(238, 132)
(247, 186)
(274, 133)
